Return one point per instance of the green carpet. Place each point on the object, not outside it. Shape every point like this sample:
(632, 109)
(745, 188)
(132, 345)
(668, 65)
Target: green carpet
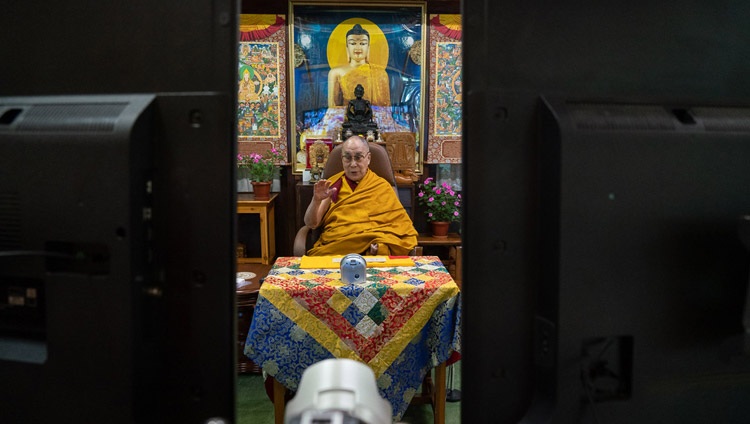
(254, 407)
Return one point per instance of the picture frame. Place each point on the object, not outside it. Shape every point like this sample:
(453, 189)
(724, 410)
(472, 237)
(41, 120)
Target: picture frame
(323, 70)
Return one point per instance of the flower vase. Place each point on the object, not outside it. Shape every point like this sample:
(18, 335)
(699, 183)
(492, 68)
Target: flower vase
(439, 229)
(262, 190)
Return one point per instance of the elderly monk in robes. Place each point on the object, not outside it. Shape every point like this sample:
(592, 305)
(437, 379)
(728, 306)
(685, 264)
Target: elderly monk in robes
(359, 210)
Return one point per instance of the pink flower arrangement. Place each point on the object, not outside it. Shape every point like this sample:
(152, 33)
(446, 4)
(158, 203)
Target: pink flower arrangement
(259, 168)
(441, 202)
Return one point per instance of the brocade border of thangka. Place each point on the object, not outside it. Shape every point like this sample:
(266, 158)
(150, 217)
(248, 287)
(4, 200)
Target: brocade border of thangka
(445, 102)
(262, 100)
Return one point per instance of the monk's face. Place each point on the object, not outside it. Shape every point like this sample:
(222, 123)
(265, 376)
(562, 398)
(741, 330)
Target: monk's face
(356, 159)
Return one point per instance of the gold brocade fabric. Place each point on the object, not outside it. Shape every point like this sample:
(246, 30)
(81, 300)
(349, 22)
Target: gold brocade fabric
(399, 302)
(374, 80)
(370, 214)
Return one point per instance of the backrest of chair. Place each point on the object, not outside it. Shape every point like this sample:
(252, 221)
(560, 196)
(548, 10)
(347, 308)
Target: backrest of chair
(380, 162)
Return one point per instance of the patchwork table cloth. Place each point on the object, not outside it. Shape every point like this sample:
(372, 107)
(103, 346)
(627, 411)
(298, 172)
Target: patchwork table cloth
(402, 322)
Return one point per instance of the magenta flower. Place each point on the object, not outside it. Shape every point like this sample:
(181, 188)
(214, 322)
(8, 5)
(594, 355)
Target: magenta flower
(260, 168)
(440, 201)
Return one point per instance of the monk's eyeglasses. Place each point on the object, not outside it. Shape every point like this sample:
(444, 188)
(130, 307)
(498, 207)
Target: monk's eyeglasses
(357, 158)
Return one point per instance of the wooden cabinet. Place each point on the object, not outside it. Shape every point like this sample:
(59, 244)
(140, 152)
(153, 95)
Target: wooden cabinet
(304, 193)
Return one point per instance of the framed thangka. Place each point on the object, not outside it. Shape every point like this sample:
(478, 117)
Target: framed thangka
(338, 46)
(445, 90)
(261, 95)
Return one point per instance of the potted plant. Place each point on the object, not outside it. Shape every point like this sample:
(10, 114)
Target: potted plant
(442, 205)
(260, 170)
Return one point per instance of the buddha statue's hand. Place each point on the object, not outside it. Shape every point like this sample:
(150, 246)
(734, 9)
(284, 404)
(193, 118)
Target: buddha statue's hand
(323, 190)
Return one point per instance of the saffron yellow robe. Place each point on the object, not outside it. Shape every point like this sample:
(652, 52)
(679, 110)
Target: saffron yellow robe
(370, 214)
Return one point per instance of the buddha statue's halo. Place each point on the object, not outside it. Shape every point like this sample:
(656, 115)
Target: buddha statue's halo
(336, 49)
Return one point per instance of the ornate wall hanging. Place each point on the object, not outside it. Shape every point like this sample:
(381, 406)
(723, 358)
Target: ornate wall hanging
(444, 145)
(261, 112)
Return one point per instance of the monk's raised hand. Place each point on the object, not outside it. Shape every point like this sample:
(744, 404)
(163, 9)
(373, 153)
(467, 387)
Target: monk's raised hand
(322, 190)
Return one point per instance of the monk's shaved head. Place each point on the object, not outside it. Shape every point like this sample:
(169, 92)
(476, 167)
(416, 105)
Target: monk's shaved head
(350, 142)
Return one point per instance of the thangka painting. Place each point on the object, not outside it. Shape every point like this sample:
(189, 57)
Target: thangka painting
(261, 95)
(445, 118)
(336, 47)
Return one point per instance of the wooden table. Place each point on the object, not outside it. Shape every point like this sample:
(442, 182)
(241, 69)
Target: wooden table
(247, 204)
(453, 243)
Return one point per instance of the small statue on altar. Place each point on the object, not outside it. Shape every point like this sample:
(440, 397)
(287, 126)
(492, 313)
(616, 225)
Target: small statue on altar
(358, 119)
(315, 173)
(359, 110)
(318, 158)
